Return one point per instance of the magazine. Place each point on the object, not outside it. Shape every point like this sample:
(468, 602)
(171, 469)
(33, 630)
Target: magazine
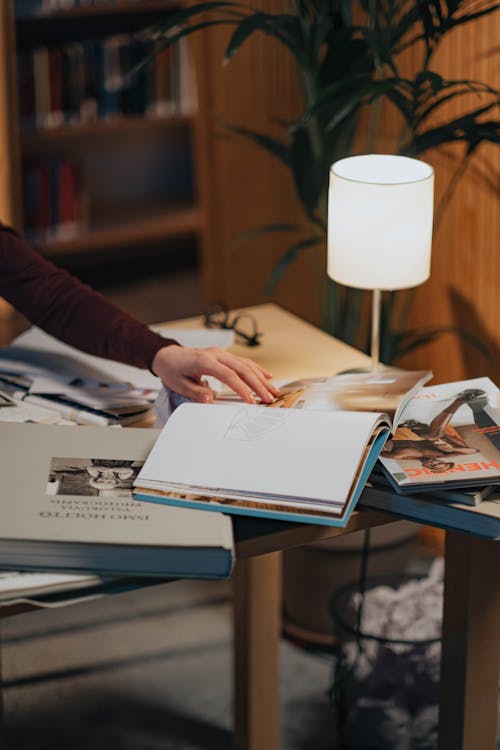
(448, 437)
(306, 458)
(462, 495)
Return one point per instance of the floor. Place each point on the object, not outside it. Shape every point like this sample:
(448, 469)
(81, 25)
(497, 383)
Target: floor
(146, 670)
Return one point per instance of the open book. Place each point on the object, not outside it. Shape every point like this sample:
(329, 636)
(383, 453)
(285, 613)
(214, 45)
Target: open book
(305, 460)
(448, 437)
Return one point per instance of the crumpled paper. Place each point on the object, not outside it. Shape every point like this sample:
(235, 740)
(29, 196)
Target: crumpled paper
(387, 693)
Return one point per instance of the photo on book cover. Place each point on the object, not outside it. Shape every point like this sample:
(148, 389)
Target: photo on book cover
(92, 477)
(449, 433)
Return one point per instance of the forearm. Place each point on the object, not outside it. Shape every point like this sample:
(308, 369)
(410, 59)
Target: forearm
(67, 309)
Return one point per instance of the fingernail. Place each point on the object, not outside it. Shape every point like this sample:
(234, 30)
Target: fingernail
(206, 398)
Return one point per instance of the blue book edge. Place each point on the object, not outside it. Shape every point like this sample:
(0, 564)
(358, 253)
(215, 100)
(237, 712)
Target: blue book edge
(341, 522)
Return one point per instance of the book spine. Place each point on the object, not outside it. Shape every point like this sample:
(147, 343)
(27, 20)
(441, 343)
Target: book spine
(26, 89)
(88, 107)
(52, 200)
(53, 230)
(55, 117)
(73, 81)
(164, 103)
(67, 200)
(109, 78)
(43, 215)
(42, 86)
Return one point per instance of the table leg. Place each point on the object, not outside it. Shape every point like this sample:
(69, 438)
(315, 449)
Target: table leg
(471, 644)
(257, 629)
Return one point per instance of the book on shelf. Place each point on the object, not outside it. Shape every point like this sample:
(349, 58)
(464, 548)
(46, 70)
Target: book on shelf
(54, 202)
(67, 504)
(26, 9)
(449, 438)
(305, 460)
(101, 79)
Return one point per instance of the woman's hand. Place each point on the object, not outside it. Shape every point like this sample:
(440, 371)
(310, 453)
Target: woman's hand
(182, 370)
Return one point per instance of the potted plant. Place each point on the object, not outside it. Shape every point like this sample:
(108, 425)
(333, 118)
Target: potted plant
(349, 57)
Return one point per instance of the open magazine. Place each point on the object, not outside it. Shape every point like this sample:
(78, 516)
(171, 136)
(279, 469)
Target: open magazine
(447, 437)
(306, 460)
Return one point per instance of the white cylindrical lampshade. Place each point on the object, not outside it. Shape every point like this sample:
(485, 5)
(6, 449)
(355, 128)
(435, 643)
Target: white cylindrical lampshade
(380, 221)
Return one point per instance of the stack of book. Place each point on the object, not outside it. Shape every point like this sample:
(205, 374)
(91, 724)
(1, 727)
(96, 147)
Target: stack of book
(54, 204)
(91, 500)
(310, 460)
(99, 79)
(50, 382)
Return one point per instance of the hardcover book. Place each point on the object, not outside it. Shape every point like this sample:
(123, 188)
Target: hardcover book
(481, 520)
(305, 460)
(66, 503)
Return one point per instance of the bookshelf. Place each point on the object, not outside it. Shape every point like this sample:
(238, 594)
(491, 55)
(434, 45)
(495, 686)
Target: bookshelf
(118, 154)
(228, 186)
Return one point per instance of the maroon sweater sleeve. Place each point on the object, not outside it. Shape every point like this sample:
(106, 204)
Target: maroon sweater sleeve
(67, 309)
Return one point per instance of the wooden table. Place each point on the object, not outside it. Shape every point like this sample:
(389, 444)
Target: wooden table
(471, 626)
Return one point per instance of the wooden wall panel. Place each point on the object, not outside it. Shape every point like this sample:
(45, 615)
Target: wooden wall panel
(464, 288)
(243, 186)
(10, 183)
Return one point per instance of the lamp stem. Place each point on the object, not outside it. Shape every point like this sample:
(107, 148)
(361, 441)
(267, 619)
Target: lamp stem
(375, 344)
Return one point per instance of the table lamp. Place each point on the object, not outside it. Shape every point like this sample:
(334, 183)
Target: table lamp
(380, 226)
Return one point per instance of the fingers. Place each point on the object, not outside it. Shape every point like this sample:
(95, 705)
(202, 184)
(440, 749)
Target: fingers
(241, 375)
(253, 376)
(229, 377)
(182, 369)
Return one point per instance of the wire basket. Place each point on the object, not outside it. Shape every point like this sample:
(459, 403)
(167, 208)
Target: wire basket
(385, 690)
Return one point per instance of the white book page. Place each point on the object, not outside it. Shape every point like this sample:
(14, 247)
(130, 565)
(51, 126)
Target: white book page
(15, 583)
(279, 452)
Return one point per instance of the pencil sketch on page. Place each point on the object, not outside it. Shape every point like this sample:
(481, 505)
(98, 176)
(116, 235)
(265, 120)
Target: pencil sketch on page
(255, 424)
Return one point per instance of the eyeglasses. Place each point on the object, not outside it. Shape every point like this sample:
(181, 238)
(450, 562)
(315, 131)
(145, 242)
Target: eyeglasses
(243, 324)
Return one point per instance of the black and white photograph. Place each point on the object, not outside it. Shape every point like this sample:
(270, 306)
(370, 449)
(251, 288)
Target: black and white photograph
(94, 477)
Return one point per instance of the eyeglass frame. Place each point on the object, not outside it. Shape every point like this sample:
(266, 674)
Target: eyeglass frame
(228, 324)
